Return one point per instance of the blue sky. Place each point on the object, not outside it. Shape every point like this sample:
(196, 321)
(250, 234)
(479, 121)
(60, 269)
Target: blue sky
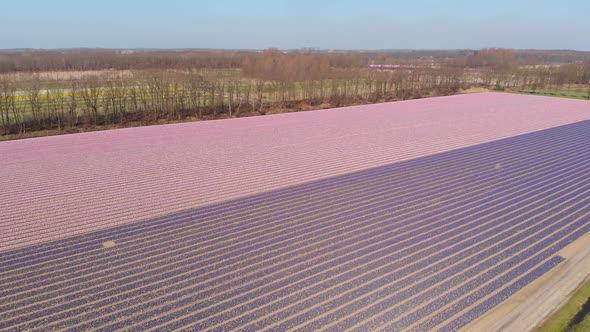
(341, 24)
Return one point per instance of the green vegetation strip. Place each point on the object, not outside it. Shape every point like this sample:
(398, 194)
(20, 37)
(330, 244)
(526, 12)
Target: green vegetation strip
(561, 320)
(558, 93)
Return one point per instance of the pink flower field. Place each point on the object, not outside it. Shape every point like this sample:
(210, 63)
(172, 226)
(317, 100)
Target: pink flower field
(60, 186)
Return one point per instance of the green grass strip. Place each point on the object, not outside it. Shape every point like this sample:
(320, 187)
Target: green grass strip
(560, 320)
(558, 93)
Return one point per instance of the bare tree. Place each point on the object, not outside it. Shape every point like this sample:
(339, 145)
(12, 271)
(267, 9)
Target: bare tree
(51, 109)
(246, 89)
(5, 95)
(231, 89)
(60, 99)
(156, 91)
(33, 93)
(260, 97)
(12, 113)
(134, 97)
(194, 86)
(72, 106)
(91, 95)
(116, 99)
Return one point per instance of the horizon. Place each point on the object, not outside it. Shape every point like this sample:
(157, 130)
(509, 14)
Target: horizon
(289, 25)
(319, 50)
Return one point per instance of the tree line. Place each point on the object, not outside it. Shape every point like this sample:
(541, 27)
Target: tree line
(259, 83)
(94, 102)
(140, 59)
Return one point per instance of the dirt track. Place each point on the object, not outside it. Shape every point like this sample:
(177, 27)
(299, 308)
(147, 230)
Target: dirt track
(529, 307)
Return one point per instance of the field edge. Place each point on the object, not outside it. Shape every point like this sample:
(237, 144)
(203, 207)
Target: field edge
(537, 303)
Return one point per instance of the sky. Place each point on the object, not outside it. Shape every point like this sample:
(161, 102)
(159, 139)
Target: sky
(288, 24)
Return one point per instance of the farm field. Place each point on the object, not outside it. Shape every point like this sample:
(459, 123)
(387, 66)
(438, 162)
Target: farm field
(415, 215)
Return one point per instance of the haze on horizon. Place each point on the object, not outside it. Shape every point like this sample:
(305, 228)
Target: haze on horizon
(287, 24)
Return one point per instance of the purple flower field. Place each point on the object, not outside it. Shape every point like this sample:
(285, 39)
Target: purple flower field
(417, 215)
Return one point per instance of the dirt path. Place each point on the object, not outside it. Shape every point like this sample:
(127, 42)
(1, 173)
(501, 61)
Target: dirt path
(529, 307)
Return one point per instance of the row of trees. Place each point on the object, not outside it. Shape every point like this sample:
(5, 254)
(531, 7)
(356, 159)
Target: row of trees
(82, 60)
(100, 59)
(98, 103)
(97, 59)
(265, 82)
